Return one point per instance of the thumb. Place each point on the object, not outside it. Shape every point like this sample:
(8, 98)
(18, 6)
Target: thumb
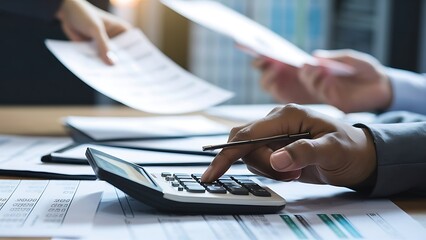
(101, 41)
(303, 153)
(340, 62)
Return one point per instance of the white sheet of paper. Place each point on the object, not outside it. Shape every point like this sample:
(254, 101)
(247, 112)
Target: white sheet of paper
(103, 128)
(252, 36)
(312, 212)
(22, 154)
(142, 77)
(253, 112)
(43, 208)
(249, 113)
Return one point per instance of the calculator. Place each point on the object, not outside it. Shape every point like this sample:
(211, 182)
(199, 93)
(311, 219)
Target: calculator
(185, 193)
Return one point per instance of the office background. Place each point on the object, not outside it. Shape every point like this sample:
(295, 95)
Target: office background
(394, 31)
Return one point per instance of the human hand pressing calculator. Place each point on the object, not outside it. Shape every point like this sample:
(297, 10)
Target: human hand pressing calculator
(185, 193)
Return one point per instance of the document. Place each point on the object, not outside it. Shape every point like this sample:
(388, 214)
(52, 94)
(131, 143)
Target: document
(42, 208)
(20, 156)
(249, 35)
(312, 212)
(142, 77)
(127, 128)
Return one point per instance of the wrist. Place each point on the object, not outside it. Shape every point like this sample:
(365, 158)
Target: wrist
(386, 93)
(67, 7)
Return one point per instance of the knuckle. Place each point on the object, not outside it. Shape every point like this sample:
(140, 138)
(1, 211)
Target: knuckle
(294, 109)
(276, 109)
(242, 134)
(234, 131)
(305, 144)
(291, 107)
(302, 147)
(333, 139)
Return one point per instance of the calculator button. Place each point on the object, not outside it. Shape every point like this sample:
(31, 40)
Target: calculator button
(237, 189)
(257, 190)
(182, 175)
(170, 178)
(165, 174)
(196, 175)
(225, 178)
(215, 189)
(246, 181)
(226, 181)
(261, 193)
(175, 184)
(194, 188)
(231, 184)
(187, 181)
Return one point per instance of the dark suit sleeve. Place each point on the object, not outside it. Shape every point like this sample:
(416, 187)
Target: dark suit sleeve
(42, 9)
(401, 158)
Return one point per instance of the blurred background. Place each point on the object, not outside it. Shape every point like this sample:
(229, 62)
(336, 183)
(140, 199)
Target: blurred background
(394, 31)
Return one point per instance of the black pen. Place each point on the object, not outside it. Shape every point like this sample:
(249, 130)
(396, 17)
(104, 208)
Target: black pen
(285, 137)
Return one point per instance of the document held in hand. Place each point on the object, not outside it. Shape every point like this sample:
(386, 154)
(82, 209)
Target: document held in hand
(248, 34)
(142, 77)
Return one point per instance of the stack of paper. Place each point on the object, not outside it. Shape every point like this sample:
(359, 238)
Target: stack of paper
(128, 128)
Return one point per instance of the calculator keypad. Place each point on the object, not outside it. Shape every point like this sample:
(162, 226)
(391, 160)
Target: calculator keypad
(234, 185)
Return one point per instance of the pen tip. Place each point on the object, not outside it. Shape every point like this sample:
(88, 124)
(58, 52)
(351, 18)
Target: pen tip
(206, 147)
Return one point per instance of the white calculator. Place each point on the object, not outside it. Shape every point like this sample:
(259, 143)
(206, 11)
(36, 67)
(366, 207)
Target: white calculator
(185, 193)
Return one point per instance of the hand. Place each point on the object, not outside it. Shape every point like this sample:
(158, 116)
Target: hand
(368, 89)
(82, 21)
(338, 153)
(282, 82)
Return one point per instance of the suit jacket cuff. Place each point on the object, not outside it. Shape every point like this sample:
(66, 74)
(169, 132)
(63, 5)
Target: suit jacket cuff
(401, 158)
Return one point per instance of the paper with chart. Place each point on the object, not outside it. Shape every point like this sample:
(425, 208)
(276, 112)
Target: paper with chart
(142, 77)
(43, 208)
(312, 212)
(251, 36)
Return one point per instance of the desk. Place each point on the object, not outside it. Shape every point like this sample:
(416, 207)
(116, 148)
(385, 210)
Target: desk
(47, 121)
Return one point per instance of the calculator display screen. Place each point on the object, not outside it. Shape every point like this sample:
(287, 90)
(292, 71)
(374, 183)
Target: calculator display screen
(125, 170)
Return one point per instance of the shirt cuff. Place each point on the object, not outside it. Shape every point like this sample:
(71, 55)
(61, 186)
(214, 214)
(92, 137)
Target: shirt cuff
(409, 91)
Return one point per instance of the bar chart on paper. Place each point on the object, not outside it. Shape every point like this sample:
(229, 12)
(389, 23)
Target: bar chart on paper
(307, 216)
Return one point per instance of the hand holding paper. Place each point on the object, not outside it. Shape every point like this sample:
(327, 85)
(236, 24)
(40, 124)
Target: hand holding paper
(249, 35)
(142, 77)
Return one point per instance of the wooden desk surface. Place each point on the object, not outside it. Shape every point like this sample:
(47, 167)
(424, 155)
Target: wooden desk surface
(42, 120)
(47, 120)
